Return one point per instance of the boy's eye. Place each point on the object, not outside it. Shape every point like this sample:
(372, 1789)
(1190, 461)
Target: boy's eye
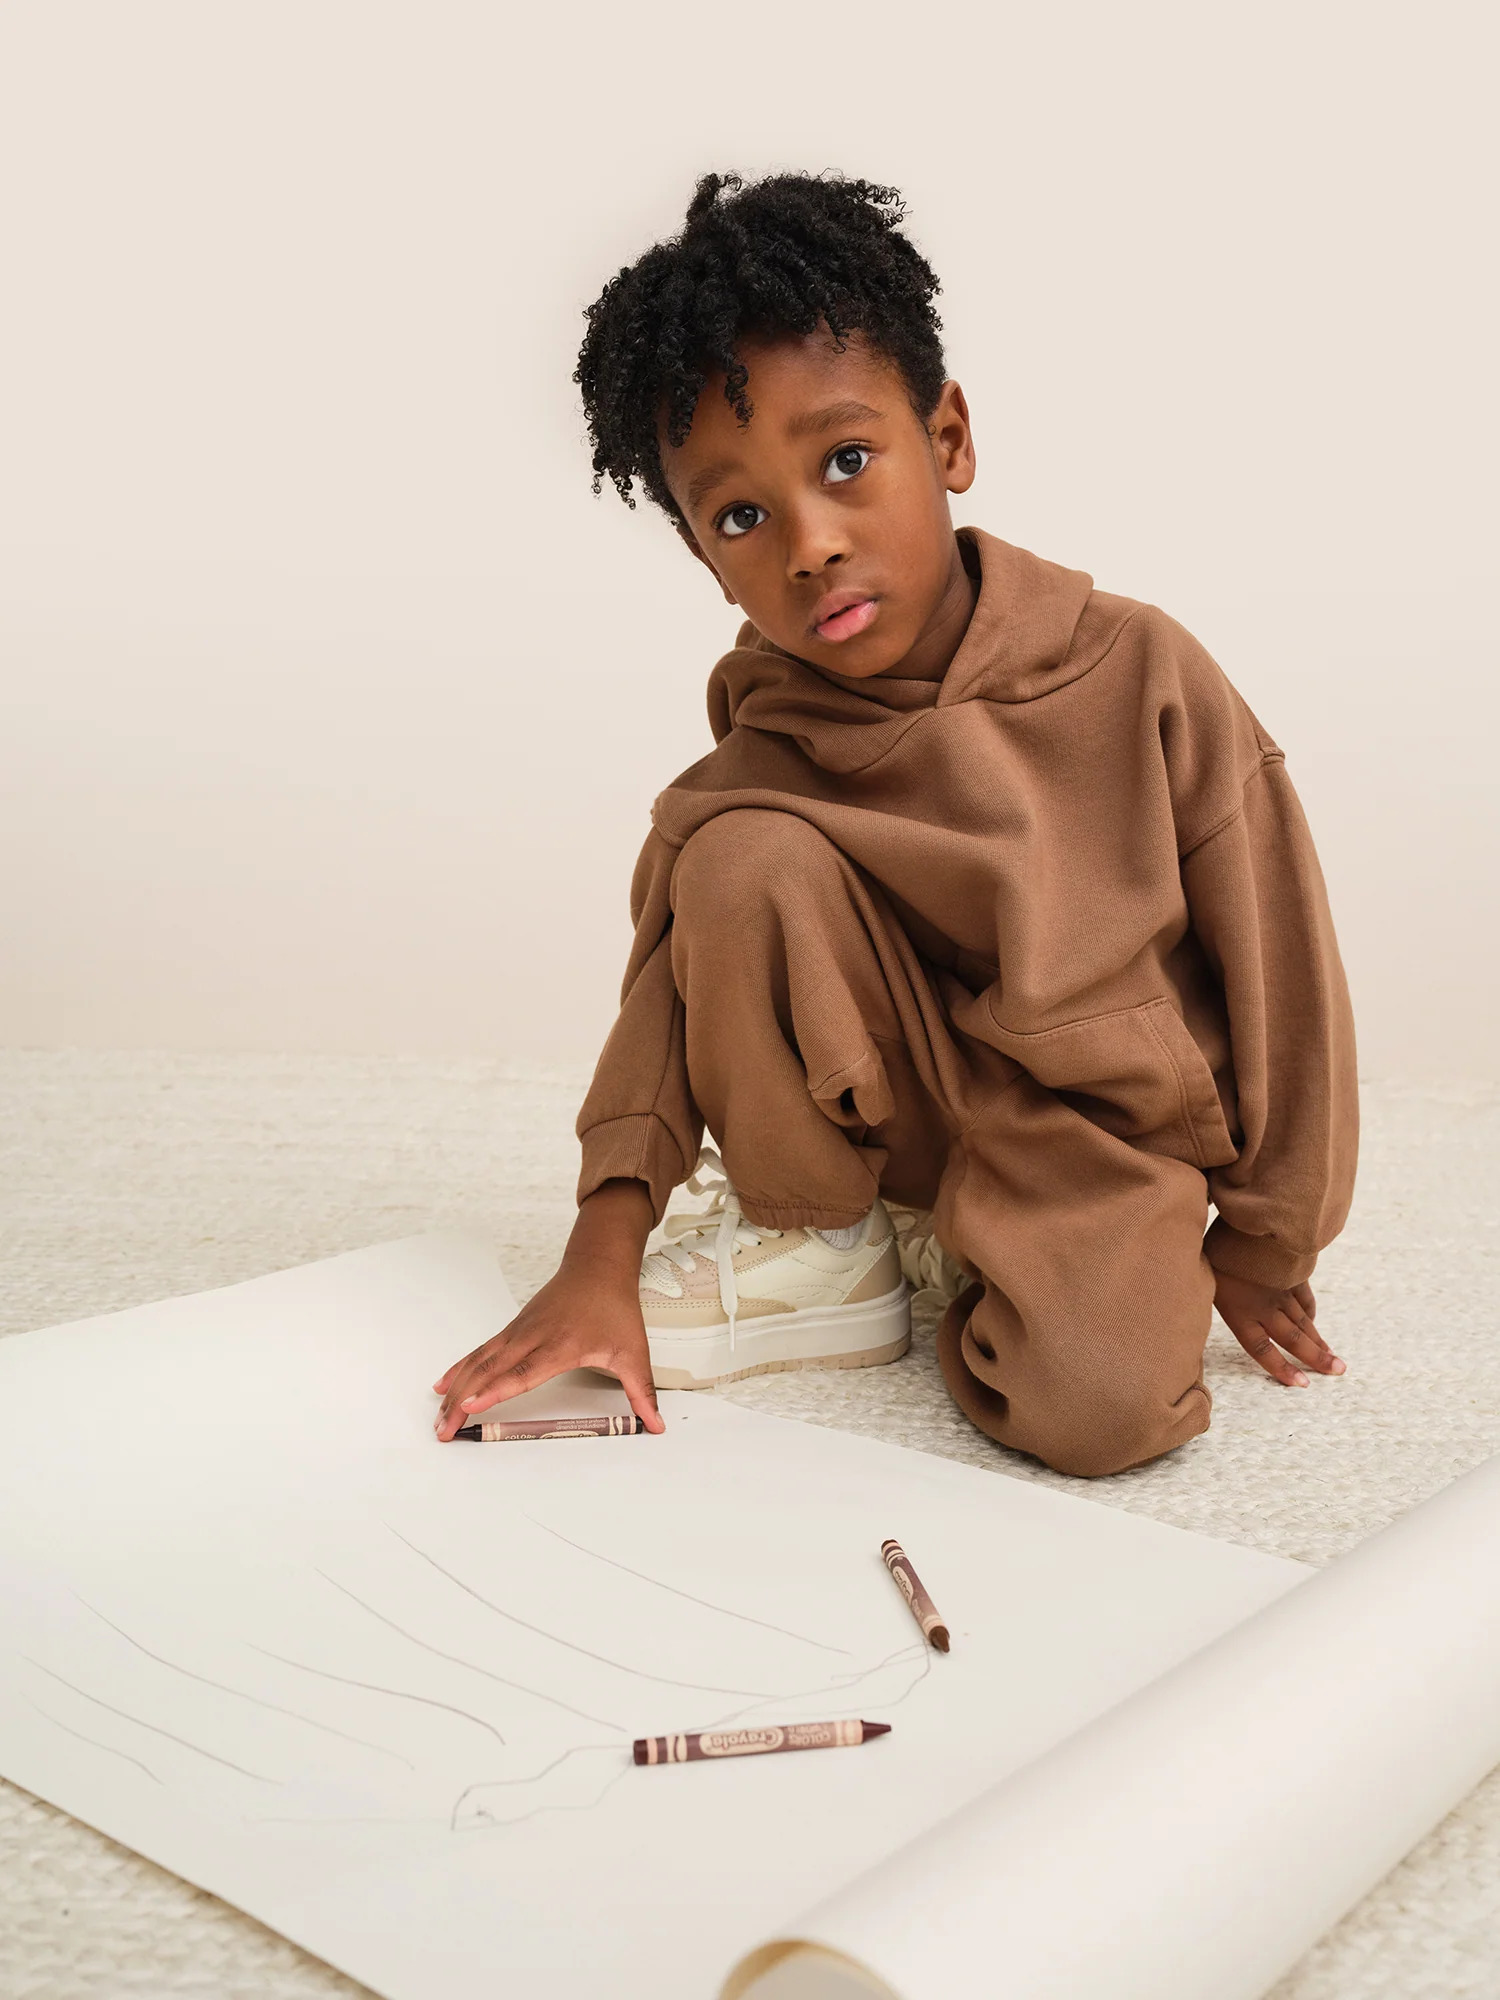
(847, 463)
(740, 520)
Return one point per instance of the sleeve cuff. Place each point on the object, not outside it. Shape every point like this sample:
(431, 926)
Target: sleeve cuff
(636, 1148)
(1259, 1259)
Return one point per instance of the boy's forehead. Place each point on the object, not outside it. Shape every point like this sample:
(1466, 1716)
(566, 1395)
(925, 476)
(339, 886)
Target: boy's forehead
(799, 386)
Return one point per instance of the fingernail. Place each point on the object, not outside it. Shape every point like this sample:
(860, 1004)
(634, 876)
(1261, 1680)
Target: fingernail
(1300, 1379)
(1336, 1367)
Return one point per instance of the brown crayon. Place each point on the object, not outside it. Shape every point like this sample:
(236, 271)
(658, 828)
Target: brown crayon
(708, 1744)
(921, 1605)
(554, 1427)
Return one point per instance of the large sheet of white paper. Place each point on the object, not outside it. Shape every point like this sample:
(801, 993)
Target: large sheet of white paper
(256, 1624)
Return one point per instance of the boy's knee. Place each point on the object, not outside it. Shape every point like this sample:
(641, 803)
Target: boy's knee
(1081, 1409)
(1101, 1430)
(738, 857)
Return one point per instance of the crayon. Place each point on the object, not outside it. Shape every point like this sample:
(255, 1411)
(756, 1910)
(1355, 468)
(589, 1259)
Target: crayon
(761, 1742)
(920, 1604)
(554, 1427)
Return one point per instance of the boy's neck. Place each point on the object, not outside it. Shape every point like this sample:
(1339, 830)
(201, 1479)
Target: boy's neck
(941, 637)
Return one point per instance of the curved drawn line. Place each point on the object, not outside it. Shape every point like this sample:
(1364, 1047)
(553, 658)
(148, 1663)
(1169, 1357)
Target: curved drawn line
(259, 1776)
(372, 1687)
(223, 1687)
(88, 1739)
(723, 1609)
(843, 1687)
(901, 1653)
(536, 1777)
(640, 1673)
(504, 1825)
(603, 1721)
(914, 1685)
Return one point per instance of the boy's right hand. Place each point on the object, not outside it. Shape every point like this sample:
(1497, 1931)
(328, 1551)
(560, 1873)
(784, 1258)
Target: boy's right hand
(588, 1316)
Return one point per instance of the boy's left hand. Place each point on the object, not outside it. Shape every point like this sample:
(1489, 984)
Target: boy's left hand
(1264, 1320)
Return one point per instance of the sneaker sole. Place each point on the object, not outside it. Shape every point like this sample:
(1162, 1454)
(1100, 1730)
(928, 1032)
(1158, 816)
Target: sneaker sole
(867, 1334)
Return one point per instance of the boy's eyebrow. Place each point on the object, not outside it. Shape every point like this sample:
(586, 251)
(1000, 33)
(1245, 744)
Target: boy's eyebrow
(705, 481)
(837, 416)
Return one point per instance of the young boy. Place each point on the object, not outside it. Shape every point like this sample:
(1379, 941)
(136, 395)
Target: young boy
(994, 899)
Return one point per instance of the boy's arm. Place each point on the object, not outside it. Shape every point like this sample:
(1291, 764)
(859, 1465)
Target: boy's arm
(640, 1131)
(639, 1121)
(1259, 906)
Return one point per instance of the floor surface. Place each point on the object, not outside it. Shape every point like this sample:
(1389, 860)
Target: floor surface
(130, 1177)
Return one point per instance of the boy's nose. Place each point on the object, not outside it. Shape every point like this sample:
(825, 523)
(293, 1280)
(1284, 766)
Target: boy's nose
(814, 545)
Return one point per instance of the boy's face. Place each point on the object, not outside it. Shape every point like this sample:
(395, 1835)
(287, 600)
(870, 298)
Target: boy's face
(826, 517)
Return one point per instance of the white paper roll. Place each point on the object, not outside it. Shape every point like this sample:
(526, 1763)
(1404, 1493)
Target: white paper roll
(1200, 1837)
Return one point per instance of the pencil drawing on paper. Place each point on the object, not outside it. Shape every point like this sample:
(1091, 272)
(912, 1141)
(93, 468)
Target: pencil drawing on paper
(399, 1682)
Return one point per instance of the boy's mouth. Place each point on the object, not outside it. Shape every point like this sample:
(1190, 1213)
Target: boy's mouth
(844, 615)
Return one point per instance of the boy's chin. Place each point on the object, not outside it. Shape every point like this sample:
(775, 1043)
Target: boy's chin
(856, 662)
(859, 659)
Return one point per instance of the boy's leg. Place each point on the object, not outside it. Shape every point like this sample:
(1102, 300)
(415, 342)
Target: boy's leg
(1083, 1344)
(822, 1054)
(816, 1045)
(799, 1059)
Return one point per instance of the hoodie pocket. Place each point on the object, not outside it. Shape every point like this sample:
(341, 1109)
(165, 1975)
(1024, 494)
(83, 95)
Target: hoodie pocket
(1138, 1073)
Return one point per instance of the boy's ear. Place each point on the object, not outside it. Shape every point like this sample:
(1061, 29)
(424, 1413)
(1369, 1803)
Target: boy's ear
(952, 439)
(693, 549)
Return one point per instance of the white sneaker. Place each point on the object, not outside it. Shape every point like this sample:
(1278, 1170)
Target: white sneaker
(723, 1298)
(928, 1266)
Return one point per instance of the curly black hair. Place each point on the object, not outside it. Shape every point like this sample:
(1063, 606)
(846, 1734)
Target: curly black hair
(784, 255)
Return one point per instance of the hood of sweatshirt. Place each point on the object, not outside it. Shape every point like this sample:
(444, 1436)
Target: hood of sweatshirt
(1078, 744)
(1036, 626)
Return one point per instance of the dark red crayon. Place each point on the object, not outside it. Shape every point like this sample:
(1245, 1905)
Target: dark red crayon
(554, 1427)
(703, 1745)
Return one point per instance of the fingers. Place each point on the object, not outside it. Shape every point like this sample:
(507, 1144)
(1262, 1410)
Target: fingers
(642, 1393)
(1260, 1345)
(1304, 1340)
(492, 1374)
(1288, 1328)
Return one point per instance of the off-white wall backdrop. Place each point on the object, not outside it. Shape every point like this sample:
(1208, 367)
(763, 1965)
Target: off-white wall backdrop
(333, 702)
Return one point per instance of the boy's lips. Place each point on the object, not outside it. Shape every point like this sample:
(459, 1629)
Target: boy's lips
(844, 615)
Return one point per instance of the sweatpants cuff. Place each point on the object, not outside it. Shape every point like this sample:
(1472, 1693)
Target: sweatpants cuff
(773, 1214)
(636, 1148)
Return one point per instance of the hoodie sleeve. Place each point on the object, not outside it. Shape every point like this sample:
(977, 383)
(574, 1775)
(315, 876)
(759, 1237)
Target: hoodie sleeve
(639, 1121)
(1258, 904)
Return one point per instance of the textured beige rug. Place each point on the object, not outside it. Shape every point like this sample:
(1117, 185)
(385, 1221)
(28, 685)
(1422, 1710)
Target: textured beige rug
(131, 1177)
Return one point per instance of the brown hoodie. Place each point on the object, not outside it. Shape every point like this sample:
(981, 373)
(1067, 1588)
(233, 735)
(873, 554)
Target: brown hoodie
(1081, 818)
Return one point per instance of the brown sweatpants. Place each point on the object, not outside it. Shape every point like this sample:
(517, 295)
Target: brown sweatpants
(831, 1062)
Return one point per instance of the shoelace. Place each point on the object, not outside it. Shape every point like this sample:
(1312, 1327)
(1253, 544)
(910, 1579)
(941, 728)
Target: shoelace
(685, 1231)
